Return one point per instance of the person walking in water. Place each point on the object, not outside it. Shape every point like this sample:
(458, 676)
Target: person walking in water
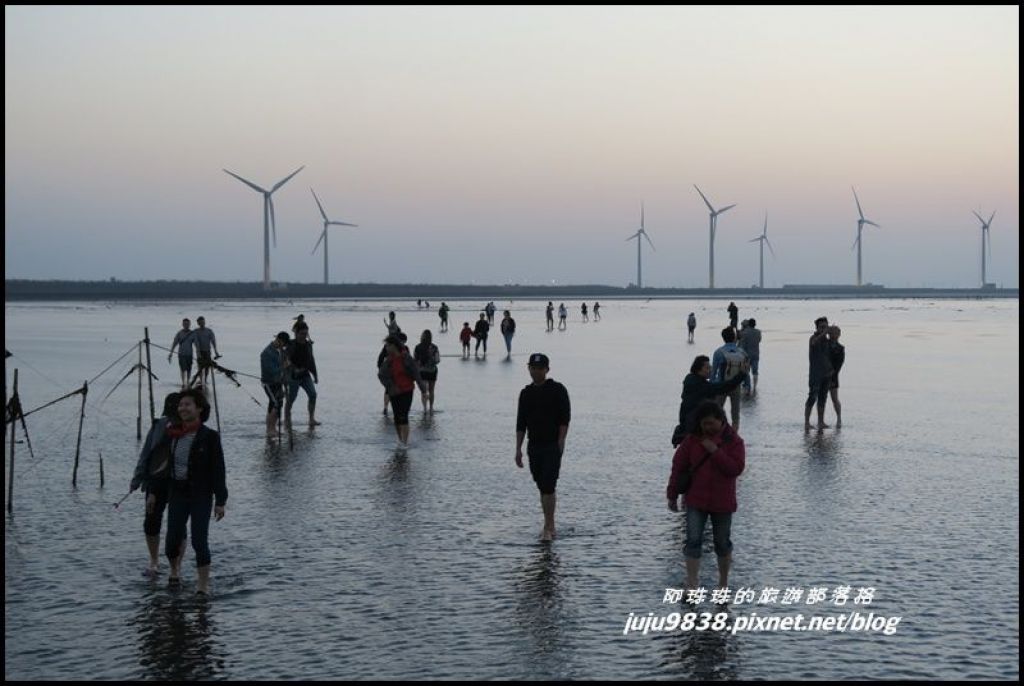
(466, 335)
(730, 361)
(837, 356)
(543, 414)
(734, 314)
(583, 310)
(597, 311)
(442, 312)
(549, 315)
(750, 342)
(143, 477)
(272, 376)
(392, 324)
(562, 314)
(698, 388)
(508, 330)
(184, 341)
(400, 375)
(712, 490)
(480, 333)
(205, 342)
(691, 326)
(427, 356)
(819, 376)
(302, 366)
(197, 481)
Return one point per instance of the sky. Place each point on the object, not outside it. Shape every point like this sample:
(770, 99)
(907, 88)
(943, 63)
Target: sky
(513, 144)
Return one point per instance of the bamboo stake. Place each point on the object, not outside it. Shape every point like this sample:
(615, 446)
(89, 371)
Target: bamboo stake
(216, 409)
(10, 479)
(149, 375)
(78, 445)
(138, 418)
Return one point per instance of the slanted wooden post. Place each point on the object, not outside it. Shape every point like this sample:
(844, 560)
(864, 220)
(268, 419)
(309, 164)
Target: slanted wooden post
(78, 445)
(149, 375)
(10, 478)
(101, 469)
(216, 409)
(138, 419)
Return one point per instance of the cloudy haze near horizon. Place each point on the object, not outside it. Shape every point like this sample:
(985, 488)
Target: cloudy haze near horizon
(512, 145)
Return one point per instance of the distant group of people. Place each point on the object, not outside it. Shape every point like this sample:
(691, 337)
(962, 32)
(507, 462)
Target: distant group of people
(704, 435)
(202, 341)
(563, 314)
(287, 364)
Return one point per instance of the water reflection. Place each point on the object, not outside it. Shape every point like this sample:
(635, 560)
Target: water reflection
(704, 655)
(176, 640)
(540, 606)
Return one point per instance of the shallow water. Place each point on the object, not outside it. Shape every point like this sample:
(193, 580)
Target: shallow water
(339, 558)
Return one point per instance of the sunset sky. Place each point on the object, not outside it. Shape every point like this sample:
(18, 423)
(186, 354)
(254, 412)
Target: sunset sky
(512, 145)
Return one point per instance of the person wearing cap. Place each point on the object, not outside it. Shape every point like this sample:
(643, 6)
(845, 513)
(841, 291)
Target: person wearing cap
(543, 414)
(272, 369)
(302, 366)
(400, 375)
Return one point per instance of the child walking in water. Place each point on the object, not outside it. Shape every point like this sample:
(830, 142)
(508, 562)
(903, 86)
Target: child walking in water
(465, 335)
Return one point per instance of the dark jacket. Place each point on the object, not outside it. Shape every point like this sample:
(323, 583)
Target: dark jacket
(697, 389)
(206, 474)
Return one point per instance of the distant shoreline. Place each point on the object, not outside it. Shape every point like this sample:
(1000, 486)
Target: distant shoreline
(24, 290)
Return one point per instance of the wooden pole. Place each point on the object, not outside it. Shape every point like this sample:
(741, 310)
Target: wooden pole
(149, 375)
(138, 419)
(78, 445)
(216, 409)
(101, 469)
(10, 479)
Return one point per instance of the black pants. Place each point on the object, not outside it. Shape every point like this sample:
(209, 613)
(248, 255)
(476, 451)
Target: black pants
(545, 464)
(818, 393)
(154, 519)
(400, 404)
(182, 506)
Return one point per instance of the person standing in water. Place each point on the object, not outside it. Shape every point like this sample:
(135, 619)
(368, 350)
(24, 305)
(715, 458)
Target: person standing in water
(184, 341)
(837, 356)
(303, 375)
(205, 342)
(442, 312)
(562, 314)
(508, 330)
(543, 414)
(734, 314)
(480, 333)
(583, 310)
(427, 356)
(272, 375)
(819, 376)
(691, 326)
(549, 315)
(400, 375)
(466, 335)
(597, 311)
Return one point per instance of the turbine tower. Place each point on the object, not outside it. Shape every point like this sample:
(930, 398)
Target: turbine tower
(323, 236)
(714, 226)
(762, 239)
(268, 218)
(985, 238)
(637, 235)
(860, 227)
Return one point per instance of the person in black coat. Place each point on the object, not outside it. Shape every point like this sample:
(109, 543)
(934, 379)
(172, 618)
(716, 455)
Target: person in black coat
(696, 388)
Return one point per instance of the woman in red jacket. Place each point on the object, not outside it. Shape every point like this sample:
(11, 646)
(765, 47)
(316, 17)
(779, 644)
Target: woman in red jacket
(714, 456)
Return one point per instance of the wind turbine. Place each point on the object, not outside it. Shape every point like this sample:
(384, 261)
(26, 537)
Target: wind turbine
(268, 218)
(985, 235)
(860, 227)
(323, 236)
(637, 235)
(714, 225)
(762, 239)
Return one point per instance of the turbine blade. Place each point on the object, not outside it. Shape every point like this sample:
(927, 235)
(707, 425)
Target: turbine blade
(644, 233)
(341, 224)
(319, 241)
(706, 202)
(989, 223)
(633, 236)
(322, 213)
(855, 242)
(980, 219)
(726, 208)
(247, 183)
(868, 221)
(769, 246)
(641, 215)
(273, 221)
(754, 240)
(857, 200)
(765, 231)
(285, 180)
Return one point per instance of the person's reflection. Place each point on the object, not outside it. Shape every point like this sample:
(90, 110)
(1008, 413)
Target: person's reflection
(176, 640)
(703, 655)
(539, 607)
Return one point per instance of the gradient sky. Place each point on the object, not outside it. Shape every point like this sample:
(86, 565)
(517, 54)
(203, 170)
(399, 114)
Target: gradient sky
(512, 145)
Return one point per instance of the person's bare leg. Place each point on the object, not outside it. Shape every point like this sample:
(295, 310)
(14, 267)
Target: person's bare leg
(386, 399)
(724, 562)
(753, 389)
(153, 543)
(807, 416)
(272, 424)
(837, 406)
(547, 504)
(203, 579)
(430, 391)
(403, 434)
(821, 415)
(692, 571)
